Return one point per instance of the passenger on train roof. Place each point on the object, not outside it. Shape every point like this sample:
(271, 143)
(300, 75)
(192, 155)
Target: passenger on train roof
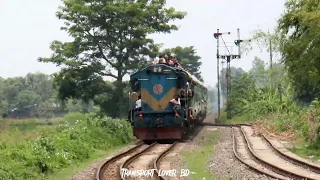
(166, 59)
(162, 60)
(155, 61)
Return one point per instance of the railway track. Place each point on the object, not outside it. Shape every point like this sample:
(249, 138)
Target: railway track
(132, 155)
(259, 153)
(266, 157)
(111, 169)
(111, 166)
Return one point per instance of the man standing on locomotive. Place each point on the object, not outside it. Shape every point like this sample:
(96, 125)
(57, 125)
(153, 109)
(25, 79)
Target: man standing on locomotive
(138, 104)
(177, 104)
(137, 108)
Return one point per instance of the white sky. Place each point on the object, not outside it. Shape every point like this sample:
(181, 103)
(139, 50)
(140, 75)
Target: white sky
(28, 27)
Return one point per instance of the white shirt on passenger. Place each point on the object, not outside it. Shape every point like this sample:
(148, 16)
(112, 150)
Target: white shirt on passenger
(176, 102)
(155, 60)
(138, 103)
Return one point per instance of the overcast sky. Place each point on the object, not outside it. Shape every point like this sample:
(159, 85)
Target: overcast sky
(28, 27)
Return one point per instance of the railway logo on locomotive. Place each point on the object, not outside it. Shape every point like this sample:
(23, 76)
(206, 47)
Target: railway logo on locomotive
(157, 89)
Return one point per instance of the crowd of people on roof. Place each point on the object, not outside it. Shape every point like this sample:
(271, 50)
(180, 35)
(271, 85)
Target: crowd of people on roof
(167, 59)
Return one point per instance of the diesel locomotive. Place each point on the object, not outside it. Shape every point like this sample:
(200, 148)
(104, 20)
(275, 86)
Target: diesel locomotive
(156, 85)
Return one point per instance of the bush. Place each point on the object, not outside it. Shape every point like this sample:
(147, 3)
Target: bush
(60, 146)
(76, 116)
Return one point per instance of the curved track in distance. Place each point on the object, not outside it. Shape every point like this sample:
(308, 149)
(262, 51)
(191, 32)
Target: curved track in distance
(264, 156)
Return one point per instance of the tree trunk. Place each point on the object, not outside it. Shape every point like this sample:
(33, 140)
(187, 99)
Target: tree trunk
(119, 95)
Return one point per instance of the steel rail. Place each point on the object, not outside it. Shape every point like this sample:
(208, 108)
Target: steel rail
(159, 158)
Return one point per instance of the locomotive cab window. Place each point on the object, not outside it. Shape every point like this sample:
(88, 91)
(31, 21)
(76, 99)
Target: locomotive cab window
(135, 85)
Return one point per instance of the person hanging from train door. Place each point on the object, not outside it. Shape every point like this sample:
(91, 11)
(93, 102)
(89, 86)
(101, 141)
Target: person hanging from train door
(138, 104)
(137, 108)
(176, 104)
(189, 96)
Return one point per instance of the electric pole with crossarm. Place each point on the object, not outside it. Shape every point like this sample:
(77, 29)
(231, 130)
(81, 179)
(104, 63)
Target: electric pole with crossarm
(228, 58)
(217, 35)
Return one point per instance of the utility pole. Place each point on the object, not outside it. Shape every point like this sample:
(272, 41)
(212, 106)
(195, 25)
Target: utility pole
(270, 49)
(228, 58)
(217, 35)
(271, 63)
(218, 74)
(229, 86)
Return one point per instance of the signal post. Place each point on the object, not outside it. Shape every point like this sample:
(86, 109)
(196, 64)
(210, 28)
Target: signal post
(228, 58)
(217, 35)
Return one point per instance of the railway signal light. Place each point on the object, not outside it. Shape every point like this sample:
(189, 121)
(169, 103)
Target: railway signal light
(216, 35)
(237, 42)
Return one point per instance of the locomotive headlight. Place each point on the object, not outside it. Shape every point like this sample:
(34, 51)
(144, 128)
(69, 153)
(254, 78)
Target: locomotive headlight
(159, 69)
(155, 69)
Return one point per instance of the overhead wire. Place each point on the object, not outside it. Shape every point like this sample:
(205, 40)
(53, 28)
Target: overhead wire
(225, 45)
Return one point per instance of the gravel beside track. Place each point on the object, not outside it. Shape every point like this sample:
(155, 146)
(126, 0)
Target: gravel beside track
(173, 160)
(223, 162)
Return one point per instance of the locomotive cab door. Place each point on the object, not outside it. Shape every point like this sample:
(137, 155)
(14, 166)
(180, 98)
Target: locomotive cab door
(133, 97)
(182, 85)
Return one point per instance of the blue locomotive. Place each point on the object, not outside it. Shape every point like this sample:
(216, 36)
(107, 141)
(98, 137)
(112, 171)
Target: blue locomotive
(155, 86)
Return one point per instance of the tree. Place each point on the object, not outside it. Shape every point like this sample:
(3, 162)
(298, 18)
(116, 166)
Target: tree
(20, 94)
(108, 35)
(259, 73)
(41, 84)
(235, 72)
(188, 59)
(25, 98)
(241, 87)
(301, 46)
(263, 40)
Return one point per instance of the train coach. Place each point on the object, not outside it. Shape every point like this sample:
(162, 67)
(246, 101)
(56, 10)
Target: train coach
(156, 119)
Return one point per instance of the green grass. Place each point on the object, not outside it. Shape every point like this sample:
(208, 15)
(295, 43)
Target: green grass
(61, 150)
(197, 161)
(302, 122)
(243, 118)
(13, 131)
(306, 150)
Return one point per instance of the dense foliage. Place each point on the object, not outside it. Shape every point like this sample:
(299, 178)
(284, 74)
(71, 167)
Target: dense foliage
(109, 40)
(188, 58)
(285, 98)
(58, 147)
(299, 47)
(34, 96)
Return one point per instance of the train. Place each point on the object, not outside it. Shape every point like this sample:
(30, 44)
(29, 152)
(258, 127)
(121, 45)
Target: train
(156, 120)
